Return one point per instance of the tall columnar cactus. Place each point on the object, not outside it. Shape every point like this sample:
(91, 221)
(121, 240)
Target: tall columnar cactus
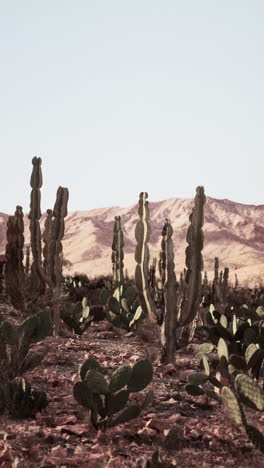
(56, 236)
(46, 240)
(162, 264)
(54, 229)
(225, 282)
(216, 269)
(194, 259)
(50, 273)
(152, 274)
(27, 266)
(35, 233)
(55, 249)
(168, 331)
(15, 275)
(142, 234)
(118, 254)
(220, 284)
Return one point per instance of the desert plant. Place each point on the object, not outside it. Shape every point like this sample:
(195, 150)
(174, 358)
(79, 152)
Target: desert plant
(16, 359)
(107, 402)
(183, 309)
(50, 272)
(79, 316)
(122, 307)
(20, 401)
(117, 253)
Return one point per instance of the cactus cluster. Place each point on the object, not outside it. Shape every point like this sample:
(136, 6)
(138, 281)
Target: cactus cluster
(20, 401)
(122, 307)
(179, 305)
(79, 316)
(220, 285)
(25, 285)
(107, 402)
(238, 364)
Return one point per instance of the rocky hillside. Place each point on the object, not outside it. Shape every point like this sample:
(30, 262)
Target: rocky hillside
(233, 231)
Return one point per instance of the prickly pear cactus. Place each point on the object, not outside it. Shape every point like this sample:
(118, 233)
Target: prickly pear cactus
(107, 401)
(15, 345)
(122, 308)
(232, 406)
(249, 389)
(21, 401)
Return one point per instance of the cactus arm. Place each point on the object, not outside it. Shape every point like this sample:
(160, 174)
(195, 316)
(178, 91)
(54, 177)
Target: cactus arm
(46, 240)
(142, 234)
(194, 259)
(57, 233)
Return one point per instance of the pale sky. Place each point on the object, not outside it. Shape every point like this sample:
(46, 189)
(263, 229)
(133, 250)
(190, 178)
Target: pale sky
(123, 96)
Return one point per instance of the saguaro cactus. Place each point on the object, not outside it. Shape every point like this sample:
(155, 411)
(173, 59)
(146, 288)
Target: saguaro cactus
(194, 259)
(142, 234)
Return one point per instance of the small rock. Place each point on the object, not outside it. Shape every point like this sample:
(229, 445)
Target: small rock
(174, 440)
(195, 434)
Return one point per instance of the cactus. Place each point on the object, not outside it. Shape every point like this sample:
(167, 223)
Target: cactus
(21, 401)
(142, 233)
(189, 300)
(14, 271)
(232, 405)
(122, 308)
(194, 260)
(16, 358)
(18, 341)
(118, 254)
(27, 266)
(152, 274)
(79, 317)
(107, 401)
(168, 330)
(234, 409)
(50, 273)
(47, 240)
(248, 389)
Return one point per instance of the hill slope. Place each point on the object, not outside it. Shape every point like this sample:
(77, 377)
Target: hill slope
(233, 231)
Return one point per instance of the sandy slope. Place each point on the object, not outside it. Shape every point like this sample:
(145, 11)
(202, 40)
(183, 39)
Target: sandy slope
(232, 231)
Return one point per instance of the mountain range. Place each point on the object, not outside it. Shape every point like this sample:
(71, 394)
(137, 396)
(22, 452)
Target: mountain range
(233, 231)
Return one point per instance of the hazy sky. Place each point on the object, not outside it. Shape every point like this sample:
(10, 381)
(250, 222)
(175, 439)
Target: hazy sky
(123, 96)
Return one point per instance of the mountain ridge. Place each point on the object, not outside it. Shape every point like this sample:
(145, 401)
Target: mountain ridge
(233, 231)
